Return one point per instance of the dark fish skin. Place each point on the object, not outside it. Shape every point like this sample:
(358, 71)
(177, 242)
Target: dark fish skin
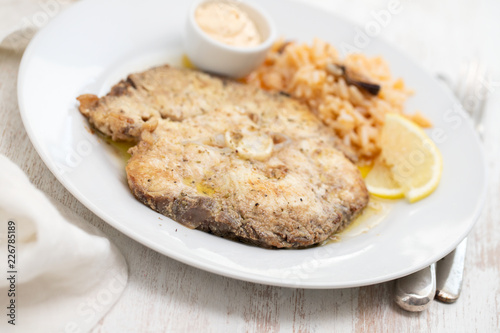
(184, 167)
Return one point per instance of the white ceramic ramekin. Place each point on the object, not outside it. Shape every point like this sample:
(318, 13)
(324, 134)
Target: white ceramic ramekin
(216, 57)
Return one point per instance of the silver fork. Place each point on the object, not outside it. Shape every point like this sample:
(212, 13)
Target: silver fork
(416, 291)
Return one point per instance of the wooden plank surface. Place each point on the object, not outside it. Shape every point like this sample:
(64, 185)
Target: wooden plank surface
(165, 295)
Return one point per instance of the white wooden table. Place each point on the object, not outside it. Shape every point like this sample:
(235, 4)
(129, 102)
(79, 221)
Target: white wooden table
(165, 295)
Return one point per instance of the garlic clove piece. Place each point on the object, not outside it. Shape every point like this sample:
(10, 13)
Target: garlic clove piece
(250, 144)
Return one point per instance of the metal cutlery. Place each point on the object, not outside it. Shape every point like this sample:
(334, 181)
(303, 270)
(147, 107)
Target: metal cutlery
(416, 291)
(449, 274)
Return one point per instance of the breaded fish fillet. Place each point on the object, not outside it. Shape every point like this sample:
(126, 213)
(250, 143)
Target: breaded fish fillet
(230, 159)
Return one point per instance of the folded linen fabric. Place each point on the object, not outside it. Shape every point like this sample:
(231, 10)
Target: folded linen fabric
(62, 274)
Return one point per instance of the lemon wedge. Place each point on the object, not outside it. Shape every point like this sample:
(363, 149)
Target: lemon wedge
(410, 164)
(380, 182)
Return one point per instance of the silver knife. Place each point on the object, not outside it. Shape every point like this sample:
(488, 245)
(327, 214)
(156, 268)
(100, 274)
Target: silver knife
(450, 272)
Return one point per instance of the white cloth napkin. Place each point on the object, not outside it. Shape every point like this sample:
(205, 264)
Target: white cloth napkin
(62, 278)
(21, 19)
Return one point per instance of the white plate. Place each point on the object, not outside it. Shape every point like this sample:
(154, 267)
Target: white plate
(95, 43)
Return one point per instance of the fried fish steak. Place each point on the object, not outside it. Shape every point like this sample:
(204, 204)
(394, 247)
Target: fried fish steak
(230, 159)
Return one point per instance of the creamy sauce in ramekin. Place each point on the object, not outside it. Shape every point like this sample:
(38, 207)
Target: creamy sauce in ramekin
(226, 23)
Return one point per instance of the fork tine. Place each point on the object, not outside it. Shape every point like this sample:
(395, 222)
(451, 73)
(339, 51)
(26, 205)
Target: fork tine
(482, 95)
(466, 95)
(472, 92)
(463, 82)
